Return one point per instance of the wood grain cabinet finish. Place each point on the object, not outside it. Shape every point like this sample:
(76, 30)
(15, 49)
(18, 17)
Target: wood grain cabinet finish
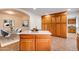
(49, 27)
(56, 24)
(57, 19)
(63, 30)
(27, 42)
(53, 29)
(35, 42)
(43, 43)
(58, 30)
(46, 19)
(44, 26)
(53, 19)
(63, 18)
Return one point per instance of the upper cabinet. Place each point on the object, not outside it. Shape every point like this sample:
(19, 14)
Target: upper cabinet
(58, 19)
(58, 28)
(56, 24)
(46, 19)
(63, 30)
(53, 19)
(43, 19)
(63, 18)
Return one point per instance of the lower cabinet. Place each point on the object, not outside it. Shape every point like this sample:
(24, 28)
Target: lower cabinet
(27, 43)
(43, 43)
(35, 42)
(58, 30)
(63, 30)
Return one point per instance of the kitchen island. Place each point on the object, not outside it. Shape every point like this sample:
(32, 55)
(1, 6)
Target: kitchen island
(35, 41)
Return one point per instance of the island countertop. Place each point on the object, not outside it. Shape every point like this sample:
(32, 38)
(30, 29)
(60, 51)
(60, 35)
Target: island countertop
(37, 32)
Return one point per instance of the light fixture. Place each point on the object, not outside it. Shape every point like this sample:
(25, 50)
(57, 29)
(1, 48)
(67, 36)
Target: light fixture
(10, 12)
(68, 9)
(47, 15)
(34, 8)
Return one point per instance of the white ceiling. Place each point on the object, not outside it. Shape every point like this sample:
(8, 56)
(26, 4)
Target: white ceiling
(46, 11)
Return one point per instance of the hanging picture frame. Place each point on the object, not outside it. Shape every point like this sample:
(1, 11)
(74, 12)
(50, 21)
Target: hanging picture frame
(8, 23)
(25, 23)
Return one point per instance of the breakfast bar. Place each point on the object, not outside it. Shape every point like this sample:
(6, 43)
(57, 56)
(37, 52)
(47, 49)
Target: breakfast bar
(35, 41)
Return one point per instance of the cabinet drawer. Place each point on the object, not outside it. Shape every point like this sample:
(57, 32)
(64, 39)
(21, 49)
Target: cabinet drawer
(27, 40)
(24, 36)
(43, 37)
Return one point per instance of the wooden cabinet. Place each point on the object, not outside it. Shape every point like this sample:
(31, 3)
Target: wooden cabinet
(27, 43)
(58, 19)
(43, 43)
(63, 18)
(46, 19)
(46, 22)
(35, 42)
(43, 20)
(49, 27)
(56, 24)
(63, 30)
(53, 29)
(45, 26)
(53, 19)
(58, 29)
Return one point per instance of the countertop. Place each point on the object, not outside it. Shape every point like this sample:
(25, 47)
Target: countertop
(37, 32)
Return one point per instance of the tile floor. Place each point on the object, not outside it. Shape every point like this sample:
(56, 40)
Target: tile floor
(58, 44)
(63, 44)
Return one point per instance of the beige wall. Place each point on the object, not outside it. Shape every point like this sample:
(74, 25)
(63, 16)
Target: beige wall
(17, 20)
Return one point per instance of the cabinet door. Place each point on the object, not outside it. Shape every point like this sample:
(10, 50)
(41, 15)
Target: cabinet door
(43, 19)
(49, 27)
(27, 43)
(53, 29)
(44, 26)
(46, 19)
(63, 30)
(58, 29)
(43, 43)
(58, 19)
(63, 19)
(53, 19)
